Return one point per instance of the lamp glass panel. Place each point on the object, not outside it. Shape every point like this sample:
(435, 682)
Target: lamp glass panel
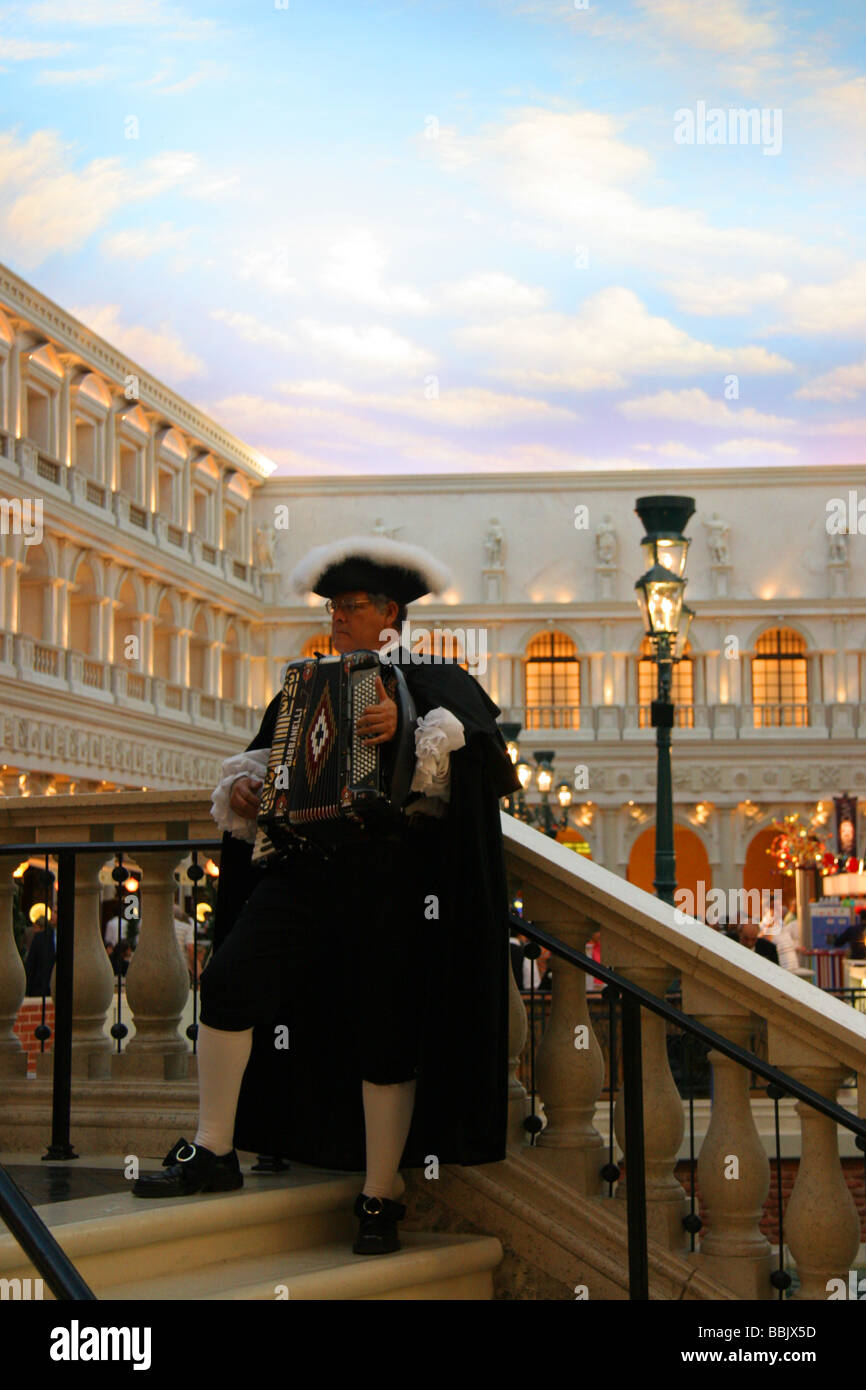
(664, 602)
(668, 551)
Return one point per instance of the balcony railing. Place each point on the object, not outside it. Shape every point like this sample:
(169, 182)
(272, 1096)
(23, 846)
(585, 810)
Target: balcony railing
(811, 721)
(58, 667)
(24, 458)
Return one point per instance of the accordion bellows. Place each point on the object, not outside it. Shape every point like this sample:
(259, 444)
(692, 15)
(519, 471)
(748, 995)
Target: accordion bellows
(324, 784)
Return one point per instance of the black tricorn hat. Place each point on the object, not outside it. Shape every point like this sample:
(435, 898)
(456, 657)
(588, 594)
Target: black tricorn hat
(374, 564)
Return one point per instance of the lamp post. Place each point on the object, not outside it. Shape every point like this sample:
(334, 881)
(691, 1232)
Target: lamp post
(667, 619)
(542, 815)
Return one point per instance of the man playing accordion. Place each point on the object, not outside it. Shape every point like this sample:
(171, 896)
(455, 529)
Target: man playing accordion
(383, 960)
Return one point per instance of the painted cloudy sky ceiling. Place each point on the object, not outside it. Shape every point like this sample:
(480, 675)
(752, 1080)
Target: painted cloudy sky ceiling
(481, 235)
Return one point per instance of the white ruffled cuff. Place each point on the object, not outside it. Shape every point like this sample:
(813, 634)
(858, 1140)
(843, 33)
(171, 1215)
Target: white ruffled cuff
(437, 735)
(251, 764)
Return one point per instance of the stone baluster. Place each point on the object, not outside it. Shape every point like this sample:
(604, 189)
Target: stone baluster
(569, 1066)
(518, 1099)
(157, 982)
(13, 1058)
(92, 980)
(822, 1228)
(733, 1169)
(663, 1108)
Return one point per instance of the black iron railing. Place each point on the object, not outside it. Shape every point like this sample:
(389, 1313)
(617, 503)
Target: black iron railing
(24, 1223)
(631, 998)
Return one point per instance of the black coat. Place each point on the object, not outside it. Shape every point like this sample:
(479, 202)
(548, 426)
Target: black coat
(314, 1114)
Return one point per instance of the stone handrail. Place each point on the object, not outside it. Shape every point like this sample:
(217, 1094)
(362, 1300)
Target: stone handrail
(813, 1037)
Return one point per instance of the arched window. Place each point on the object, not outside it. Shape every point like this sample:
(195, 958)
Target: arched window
(780, 687)
(127, 626)
(320, 643)
(164, 642)
(552, 682)
(682, 687)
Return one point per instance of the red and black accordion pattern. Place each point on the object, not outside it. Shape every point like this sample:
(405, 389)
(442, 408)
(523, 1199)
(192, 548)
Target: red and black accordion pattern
(323, 782)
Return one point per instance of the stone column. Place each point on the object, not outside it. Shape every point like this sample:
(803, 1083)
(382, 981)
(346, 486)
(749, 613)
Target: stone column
(733, 1169)
(569, 1067)
(93, 979)
(663, 1108)
(822, 1227)
(157, 982)
(13, 1058)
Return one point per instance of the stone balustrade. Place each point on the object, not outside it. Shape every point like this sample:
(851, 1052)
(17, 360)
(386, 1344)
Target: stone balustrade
(812, 1037)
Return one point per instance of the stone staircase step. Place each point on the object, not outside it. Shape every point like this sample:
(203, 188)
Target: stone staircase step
(292, 1229)
(427, 1267)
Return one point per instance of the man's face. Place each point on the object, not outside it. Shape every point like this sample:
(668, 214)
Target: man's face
(360, 630)
(748, 934)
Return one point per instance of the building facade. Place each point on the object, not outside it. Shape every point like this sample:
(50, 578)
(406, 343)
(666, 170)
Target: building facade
(145, 624)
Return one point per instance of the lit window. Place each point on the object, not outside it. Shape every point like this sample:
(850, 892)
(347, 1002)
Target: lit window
(779, 680)
(552, 674)
(682, 687)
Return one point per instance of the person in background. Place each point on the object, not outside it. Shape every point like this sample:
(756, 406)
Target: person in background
(751, 938)
(854, 937)
(40, 960)
(780, 934)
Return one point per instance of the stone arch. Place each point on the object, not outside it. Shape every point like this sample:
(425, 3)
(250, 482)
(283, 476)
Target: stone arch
(40, 567)
(83, 634)
(693, 866)
(164, 636)
(759, 871)
(229, 663)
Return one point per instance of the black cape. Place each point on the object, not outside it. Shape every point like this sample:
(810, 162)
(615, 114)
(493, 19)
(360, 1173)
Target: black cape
(302, 1103)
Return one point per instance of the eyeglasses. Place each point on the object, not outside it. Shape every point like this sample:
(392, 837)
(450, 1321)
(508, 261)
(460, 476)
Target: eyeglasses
(350, 607)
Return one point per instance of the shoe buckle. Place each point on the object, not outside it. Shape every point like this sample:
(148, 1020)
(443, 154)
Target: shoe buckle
(370, 1210)
(185, 1158)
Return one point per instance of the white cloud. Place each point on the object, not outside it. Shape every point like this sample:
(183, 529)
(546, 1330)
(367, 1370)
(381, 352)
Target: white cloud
(694, 406)
(253, 330)
(374, 348)
(574, 177)
(76, 77)
(755, 446)
(492, 292)
(612, 334)
(158, 350)
(116, 14)
(842, 384)
(24, 50)
(673, 449)
(47, 206)
(838, 306)
(725, 294)
(467, 406)
(729, 28)
(355, 271)
(137, 243)
(269, 268)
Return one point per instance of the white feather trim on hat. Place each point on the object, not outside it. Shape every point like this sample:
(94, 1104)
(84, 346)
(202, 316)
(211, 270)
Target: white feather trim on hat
(381, 550)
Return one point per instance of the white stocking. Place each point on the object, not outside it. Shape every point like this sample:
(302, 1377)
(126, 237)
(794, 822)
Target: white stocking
(387, 1116)
(222, 1061)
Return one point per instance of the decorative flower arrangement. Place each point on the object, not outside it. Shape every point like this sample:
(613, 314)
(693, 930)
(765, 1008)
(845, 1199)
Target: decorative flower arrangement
(797, 846)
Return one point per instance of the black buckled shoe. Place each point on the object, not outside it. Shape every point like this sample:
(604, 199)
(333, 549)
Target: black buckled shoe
(195, 1169)
(377, 1231)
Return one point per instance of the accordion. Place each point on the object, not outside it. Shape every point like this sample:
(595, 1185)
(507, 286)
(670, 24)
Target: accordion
(323, 783)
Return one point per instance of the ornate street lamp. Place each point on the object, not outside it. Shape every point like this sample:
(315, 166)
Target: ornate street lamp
(540, 815)
(667, 619)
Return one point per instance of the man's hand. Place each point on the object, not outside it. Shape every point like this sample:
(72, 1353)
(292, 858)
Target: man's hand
(378, 723)
(245, 797)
